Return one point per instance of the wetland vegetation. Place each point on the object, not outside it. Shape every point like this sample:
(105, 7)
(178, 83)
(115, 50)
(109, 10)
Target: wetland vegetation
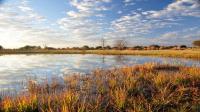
(143, 88)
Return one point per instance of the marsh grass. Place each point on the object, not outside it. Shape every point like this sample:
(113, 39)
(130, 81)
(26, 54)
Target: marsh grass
(142, 88)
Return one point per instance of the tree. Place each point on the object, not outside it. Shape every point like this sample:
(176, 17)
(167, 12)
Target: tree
(120, 44)
(138, 47)
(183, 46)
(99, 47)
(1, 47)
(85, 47)
(108, 47)
(154, 47)
(196, 43)
(103, 42)
(49, 48)
(28, 47)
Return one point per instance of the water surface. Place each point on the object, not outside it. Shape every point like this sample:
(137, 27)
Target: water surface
(15, 70)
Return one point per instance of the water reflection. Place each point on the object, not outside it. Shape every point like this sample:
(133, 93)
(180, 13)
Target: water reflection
(15, 70)
(120, 59)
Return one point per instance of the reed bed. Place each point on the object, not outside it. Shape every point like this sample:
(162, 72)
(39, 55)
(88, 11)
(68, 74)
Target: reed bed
(142, 88)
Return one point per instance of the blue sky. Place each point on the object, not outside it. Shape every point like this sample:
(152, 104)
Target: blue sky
(67, 23)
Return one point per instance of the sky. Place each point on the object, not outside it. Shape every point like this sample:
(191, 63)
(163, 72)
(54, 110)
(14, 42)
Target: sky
(69, 23)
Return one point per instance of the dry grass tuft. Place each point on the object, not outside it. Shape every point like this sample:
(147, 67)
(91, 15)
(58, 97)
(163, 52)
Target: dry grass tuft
(143, 88)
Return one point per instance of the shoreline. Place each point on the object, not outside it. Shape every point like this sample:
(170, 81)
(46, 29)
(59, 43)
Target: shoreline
(188, 54)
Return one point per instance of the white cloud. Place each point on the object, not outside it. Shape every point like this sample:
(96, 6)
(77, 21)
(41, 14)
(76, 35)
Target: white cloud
(180, 8)
(20, 25)
(132, 2)
(128, 2)
(139, 23)
(136, 25)
(80, 25)
(178, 37)
(102, 8)
(132, 26)
(120, 12)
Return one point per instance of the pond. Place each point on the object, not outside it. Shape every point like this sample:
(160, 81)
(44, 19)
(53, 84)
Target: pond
(15, 70)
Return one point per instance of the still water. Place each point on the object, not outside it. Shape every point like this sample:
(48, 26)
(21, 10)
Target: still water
(15, 70)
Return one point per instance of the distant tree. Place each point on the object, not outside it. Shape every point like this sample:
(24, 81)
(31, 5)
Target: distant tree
(196, 43)
(85, 47)
(1, 47)
(103, 43)
(154, 47)
(163, 47)
(138, 47)
(108, 47)
(75, 48)
(183, 46)
(120, 44)
(157, 46)
(99, 47)
(28, 47)
(92, 48)
(50, 48)
(171, 47)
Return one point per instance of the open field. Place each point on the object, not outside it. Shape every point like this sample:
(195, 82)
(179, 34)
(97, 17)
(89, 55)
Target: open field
(190, 53)
(142, 88)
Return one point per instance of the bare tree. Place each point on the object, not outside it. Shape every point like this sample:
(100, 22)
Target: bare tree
(120, 44)
(103, 42)
(44, 46)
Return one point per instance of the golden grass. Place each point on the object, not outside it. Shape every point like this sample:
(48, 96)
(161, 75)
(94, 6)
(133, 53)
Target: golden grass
(195, 54)
(189, 53)
(143, 88)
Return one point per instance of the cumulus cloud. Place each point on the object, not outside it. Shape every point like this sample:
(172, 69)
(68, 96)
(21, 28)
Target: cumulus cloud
(20, 25)
(132, 2)
(85, 24)
(139, 23)
(133, 26)
(136, 25)
(180, 8)
(128, 2)
(178, 37)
